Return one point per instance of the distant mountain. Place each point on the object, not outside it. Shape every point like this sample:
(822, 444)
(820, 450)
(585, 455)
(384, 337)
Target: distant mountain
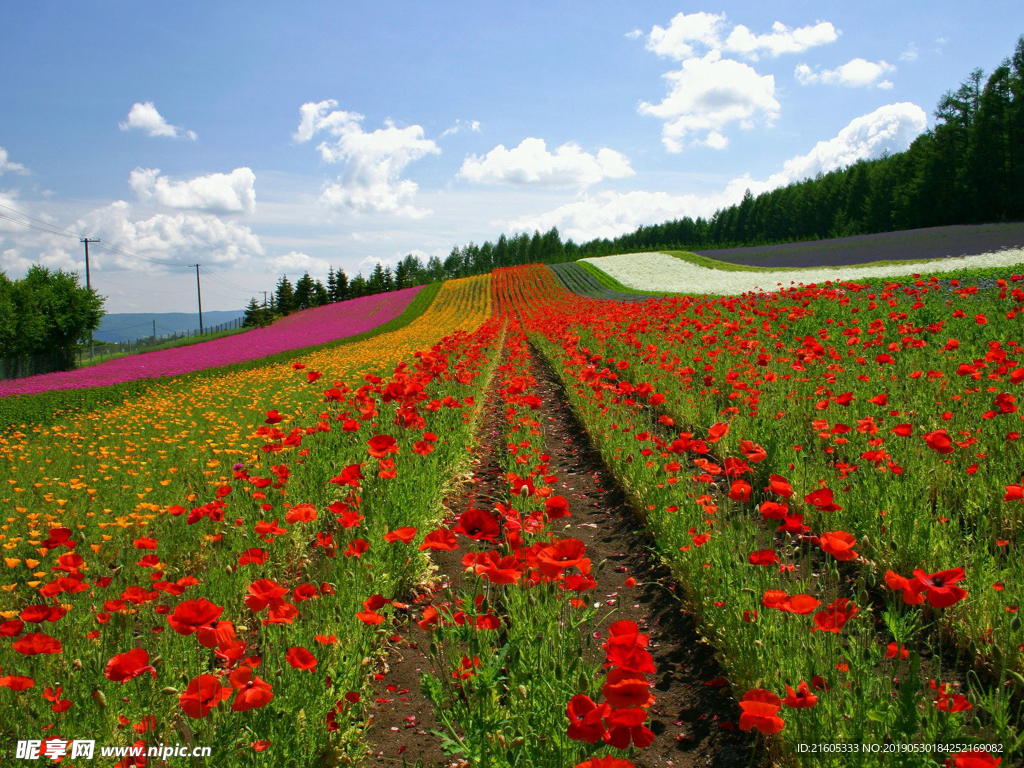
(122, 326)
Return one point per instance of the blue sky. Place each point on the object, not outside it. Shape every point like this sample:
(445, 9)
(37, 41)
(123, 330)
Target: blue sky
(178, 131)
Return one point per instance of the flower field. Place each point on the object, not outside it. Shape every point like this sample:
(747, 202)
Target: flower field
(661, 272)
(831, 477)
(302, 329)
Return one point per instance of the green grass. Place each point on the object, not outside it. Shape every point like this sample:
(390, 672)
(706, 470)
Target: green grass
(44, 408)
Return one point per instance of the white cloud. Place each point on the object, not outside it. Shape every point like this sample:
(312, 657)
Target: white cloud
(856, 73)
(216, 193)
(634, 34)
(143, 116)
(6, 166)
(461, 125)
(780, 40)
(687, 32)
(910, 54)
(706, 94)
(373, 162)
(531, 163)
(890, 128)
(296, 262)
(684, 31)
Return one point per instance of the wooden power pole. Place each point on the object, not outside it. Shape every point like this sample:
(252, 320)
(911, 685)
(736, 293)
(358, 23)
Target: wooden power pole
(199, 295)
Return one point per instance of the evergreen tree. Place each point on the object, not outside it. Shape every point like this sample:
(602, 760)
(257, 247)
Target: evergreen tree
(305, 290)
(341, 291)
(285, 296)
(320, 295)
(332, 285)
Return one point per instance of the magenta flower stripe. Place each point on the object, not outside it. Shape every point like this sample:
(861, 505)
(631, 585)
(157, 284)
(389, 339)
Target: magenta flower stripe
(302, 329)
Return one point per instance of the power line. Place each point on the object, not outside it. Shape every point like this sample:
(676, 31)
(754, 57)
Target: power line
(41, 221)
(33, 226)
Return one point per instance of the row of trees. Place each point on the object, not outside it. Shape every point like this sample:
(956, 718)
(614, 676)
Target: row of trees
(44, 317)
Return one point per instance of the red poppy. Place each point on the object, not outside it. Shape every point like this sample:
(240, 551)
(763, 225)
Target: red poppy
(909, 587)
(273, 417)
(801, 698)
(893, 651)
(301, 513)
(974, 758)
(129, 665)
(404, 535)
(251, 692)
(254, 556)
(835, 616)
(939, 441)
(839, 544)
(938, 587)
(440, 540)
(478, 525)
(763, 557)
(202, 695)
(717, 431)
(350, 475)
(499, 570)
(780, 486)
(564, 553)
(381, 445)
(36, 643)
(300, 658)
(586, 719)
(760, 710)
(740, 490)
(823, 500)
(356, 548)
(556, 507)
(623, 689)
(262, 593)
(192, 614)
(16, 682)
(626, 726)
(605, 762)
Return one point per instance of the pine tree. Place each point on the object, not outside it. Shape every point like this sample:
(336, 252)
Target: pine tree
(285, 296)
(304, 292)
(341, 290)
(332, 285)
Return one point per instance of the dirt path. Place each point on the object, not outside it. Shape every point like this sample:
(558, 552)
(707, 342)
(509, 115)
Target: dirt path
(693, 721)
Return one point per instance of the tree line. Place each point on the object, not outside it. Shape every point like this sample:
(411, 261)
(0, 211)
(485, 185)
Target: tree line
(46, 314)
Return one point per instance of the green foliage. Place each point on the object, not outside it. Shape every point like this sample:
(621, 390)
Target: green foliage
(46, 313)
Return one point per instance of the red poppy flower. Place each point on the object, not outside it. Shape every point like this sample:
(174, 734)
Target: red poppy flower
(605, 762)
(909, 587)
(975, 758)
(301, 513)
(586, 719)
(780, 486)
(478, 525)
(740, 490)
(273, 417)
(499, 570)
(556, 507)
(16, 682)
(300, 658)
(623, 689)
(939, 441)
(760, 710)
(717, 431)
(127, 666)
(823, 500)
(37, 614)
(893, 651)
(440, 540)
(356, 548)
(381, 445)
(839, 544)
(11, 627)
(565, 553)
(251, 692)
(36, 643)
(404, 535)
(192, 614)
(779, 600)
(938, 587)
(254, 556)
(626, 726)
(202, 695)
(350, 476)
(262, 593)
(801, 698)
(763, 557)
(835, 616)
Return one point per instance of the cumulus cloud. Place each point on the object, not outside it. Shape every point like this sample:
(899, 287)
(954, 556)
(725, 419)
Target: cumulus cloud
(890, 128)
(532, 164)
(216, 193)
(856, 73)
(373, 161)
(709, 93)
(297, 262)
(780, 40)
(634, 34)
(6, 166)
(686, 33)
(143, 116)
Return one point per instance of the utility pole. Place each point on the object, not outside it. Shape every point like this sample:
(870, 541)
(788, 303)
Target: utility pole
(154, 331)
(264, 299)
(199, 295)
(86, 241)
